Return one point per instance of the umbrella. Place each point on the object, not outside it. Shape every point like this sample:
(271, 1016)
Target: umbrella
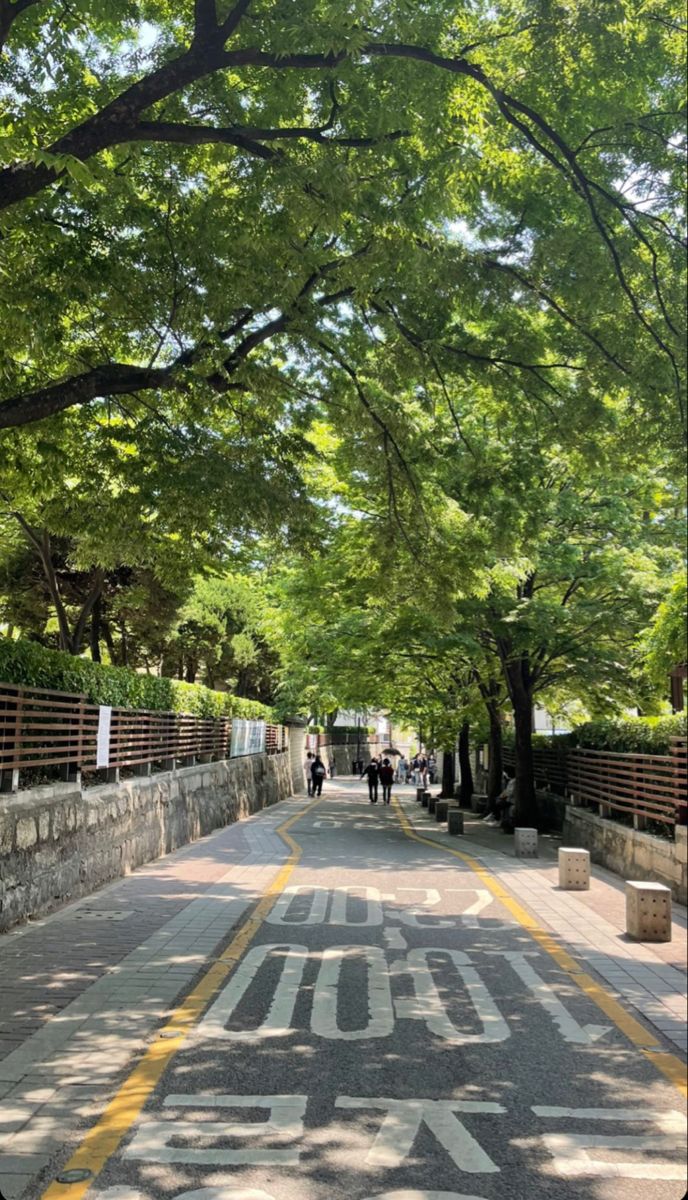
(391, 750)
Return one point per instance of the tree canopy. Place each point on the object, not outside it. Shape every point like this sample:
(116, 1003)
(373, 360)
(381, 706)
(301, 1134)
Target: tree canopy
(342, 354)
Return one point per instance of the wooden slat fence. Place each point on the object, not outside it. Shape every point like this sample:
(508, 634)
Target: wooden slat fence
(550, 767)
(43, 728)
(648, 786)
(644, 786)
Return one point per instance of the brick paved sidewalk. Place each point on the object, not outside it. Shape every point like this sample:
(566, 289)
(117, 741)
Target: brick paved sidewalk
(649, 978)
(83, 988)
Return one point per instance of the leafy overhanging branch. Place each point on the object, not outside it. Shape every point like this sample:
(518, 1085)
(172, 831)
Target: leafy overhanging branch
(121, 379)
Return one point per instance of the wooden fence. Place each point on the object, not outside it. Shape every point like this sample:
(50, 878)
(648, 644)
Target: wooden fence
(643, 786)
(63, 734)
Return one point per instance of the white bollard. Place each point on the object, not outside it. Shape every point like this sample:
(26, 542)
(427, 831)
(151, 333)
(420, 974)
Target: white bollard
(574, 869)
(648, 912)
(526, 843)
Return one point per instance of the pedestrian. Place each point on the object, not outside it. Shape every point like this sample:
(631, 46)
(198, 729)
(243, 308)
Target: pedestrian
(502, 811)
(373, 774)
(402, 768)
(318, 773)
(307, 769)
(333, 766)
(386, 773)
(432, 767)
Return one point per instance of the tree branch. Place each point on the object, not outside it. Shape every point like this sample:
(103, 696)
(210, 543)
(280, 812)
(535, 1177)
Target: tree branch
(120, 379)
(9, 13)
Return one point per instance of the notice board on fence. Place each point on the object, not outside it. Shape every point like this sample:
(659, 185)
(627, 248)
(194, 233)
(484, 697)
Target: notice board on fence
(248, 737)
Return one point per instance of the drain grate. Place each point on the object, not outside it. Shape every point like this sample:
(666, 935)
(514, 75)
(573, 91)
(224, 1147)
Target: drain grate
(103, 914)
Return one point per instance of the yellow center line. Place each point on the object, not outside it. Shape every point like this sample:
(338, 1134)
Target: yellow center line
(105, 1137)
(669, 1065)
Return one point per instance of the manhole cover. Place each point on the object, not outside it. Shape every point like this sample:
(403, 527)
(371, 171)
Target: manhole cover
(102, 914)
(76, 1175)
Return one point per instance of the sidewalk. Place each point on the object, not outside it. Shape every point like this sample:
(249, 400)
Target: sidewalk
(651, 979)
(84, 989)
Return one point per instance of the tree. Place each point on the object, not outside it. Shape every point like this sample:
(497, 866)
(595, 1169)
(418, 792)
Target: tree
(223, 631)
(192, 190)
(106, 505)
(663, 642)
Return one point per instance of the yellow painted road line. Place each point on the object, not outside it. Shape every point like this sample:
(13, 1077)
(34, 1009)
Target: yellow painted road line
(101, 1142)
(668, 1064)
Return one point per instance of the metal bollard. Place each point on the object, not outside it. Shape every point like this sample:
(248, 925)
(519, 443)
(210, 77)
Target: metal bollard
(424, 799)
(420, 792)
(454, 821)
(432, 800)
(441, 807)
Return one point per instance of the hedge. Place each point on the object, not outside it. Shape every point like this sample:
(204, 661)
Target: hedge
(631, 735)
(350, 729)
(31, 665)
(640, 735)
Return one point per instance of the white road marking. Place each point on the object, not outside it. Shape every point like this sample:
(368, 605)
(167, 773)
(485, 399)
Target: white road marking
(403, 1119)
(340, 898)
(430, 897)
(428, 1004)
(570, 1030)
(316, 913)
(395, 939)
(284, 1123)
(416, 1194)
(570, 1150)
(277, 1022)
(381, 1014)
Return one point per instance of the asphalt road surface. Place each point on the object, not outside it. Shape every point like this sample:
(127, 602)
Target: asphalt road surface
(386, 1029)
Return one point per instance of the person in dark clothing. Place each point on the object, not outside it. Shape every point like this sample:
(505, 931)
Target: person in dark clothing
(318, 773)
(373, 773)
(386, 774)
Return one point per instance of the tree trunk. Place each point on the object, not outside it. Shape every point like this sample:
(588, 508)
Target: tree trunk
(495, 767)
(448, 774)
(77, 638)
(123, 647)
(525, 801)
(466, 789)
(95, 630)
(107, 638)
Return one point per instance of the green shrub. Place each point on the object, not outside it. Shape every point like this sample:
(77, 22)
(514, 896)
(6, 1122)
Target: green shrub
(315, 729)
(640, 735)
(32, 665)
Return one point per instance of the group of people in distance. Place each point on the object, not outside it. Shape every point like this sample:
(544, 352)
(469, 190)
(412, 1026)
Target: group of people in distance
(421, 769)
(379, 772)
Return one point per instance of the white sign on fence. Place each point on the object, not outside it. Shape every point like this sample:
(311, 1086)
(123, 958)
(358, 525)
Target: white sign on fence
(103, 743)
(248, 737)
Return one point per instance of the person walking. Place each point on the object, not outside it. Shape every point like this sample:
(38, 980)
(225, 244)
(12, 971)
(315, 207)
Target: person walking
(307, 770)
(402, 768)
(318, 773)
(386, 774)
(372, 772)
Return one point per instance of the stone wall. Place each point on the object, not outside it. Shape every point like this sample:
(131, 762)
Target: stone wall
(632, 855)
(58, 843)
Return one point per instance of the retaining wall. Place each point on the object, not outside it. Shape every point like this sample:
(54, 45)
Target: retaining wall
(58, 842)
(631, 854)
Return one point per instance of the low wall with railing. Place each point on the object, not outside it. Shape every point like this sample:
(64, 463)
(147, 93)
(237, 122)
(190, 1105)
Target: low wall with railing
(88, 792)
(641, 787)
(60, 842)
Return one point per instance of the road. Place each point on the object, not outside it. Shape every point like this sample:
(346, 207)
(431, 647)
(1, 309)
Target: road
(386, 1027)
